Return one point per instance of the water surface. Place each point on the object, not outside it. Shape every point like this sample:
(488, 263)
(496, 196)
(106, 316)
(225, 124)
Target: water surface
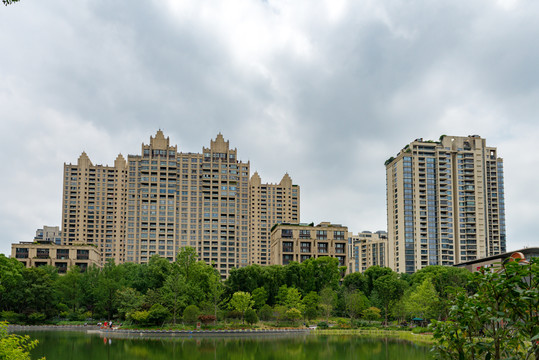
(64, 345)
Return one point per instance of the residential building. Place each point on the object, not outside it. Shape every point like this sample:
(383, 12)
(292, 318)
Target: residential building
(445, 203)
(49, 234)
(63, 257)
(299, 242)
(367, 249)
(495, 261)
(162, 200)
(270, 204)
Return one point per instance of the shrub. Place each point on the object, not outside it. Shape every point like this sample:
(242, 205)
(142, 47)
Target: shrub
(158, 314)
(372, 313)
(343, 324)
(190, 314)
(251, 317)
(10, 316)
(420, 330)
(139, 317)
(293, 314)
(206, 319)
(322, 325)
(233, 314)
(265, 313)
(36, 318)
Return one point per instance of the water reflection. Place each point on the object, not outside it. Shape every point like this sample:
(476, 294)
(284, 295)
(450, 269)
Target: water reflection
(79, 345)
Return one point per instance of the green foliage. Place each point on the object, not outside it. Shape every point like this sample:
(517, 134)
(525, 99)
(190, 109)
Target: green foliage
(190, 314)
(423, 301)
(356, 303)
(36, 318)
(322, 325)
(420, 330)
(328, 297)
(265, 313)
(293, 314)
(251, 317)
(129, 300)
(139, 317)
(241, 301)
(310, 305)
(389, 288)
(158, 314)
(260, 296)
(14, 347)
(498, 321)
(372, 313)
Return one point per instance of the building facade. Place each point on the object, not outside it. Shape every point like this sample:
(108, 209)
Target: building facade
(367, 249)
(163, 200)
(49, 234)
(445, 203)
(63, 257)
(270, 204)
(299, 242)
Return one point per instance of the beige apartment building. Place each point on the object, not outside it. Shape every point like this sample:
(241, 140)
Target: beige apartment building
(63, 257)
(445, 203)
(367, 249)
(299, 242)
(49, 234)
(270, 204)
(163, 200)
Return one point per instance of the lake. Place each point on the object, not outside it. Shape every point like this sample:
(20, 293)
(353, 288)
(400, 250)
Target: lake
(64, 345)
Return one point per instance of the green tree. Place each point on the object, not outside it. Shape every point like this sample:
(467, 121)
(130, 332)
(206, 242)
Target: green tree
(498, 321)
(70, 288)
(190, 314)
(372, 313)
(260, 296)
(293, 299)
(265, 313)
(186, 259)
(15, 347)
(128, 300)
(389, 288)
(109, 282)
(356, 281)
(293, 314)
(174, 293)
(310, 305)
(356, 303)
(373, 273)
(251, 317)
(423, 301)
(327, 300)
(241, 301)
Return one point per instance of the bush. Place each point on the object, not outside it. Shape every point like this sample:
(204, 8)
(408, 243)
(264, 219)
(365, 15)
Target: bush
(420, 330)
(233, 315)
(265, 313)
(322, 325)
(293, 314)
(11, 317)
(372, 313)
(342, 324)
(206, 319)
(36, 318)
(251, 317)
(158, 314)
(311, 312)
(139, 317)
(190, 314)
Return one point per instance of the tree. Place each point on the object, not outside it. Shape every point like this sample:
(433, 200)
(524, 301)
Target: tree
(190, 314)
(69, 287)
(173, 292)
(251, 317)
(372, 313)
(389, 289)
(293, 299)
(186, 259)
(15, 347)
(498, 321)
(356, 281)
(373, 273)
(423, 301)
(241, 301)
(327, 300)
(129, 300)
(8, 2)
(265, 313)
(310, 305)
(356, 303)
(293, 314)
(260, 296)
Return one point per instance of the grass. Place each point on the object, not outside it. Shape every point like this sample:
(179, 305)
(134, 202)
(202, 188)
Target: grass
(403, 335)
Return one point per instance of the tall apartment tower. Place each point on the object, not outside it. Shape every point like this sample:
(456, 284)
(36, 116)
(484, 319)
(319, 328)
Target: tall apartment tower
(445, 203)
(94, 206)
(162, 200)
(367, 249)
(270, 204)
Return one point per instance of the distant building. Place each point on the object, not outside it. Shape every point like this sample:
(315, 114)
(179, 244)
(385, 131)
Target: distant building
(495, 261)
(63, 257)
(270, 204)
(163, 200)
(299, 242)
(367, 249)
(445, 203)
(49, 233)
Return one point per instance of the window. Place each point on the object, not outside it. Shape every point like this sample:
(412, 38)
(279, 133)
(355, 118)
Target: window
(305, 247)
(288, 246)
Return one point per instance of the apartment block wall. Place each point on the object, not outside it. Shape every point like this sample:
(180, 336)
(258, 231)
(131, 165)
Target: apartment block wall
(367, 249)
(299, 242)
(63, 257)
(445, 203)
(270, 204)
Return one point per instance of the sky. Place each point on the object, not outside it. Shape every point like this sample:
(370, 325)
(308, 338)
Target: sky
(323, 90)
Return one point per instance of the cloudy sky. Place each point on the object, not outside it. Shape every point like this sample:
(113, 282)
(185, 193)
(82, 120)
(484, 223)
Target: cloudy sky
(325, 90)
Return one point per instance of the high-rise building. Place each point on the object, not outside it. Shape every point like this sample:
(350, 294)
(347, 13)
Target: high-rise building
(270, 204)
(445, 203)
(367, 249)
(163, 200)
